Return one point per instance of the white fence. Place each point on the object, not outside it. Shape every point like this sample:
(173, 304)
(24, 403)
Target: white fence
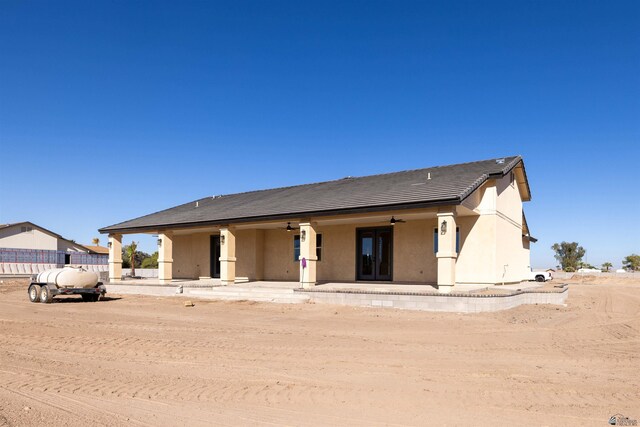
(142, 272)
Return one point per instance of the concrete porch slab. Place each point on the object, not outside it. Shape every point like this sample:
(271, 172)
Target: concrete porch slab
(463, 299)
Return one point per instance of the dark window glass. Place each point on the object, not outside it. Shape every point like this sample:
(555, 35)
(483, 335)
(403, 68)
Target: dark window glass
(319, 246)
(367, 254)
(435, 240)
(296, 247)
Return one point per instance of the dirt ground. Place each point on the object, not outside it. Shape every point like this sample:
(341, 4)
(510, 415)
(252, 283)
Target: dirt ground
(136, 360)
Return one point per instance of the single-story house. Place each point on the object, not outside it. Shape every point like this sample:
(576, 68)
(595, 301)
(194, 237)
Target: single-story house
(445, 225)
(27, 248)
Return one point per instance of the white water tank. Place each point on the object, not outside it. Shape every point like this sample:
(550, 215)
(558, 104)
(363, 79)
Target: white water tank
(68, 277)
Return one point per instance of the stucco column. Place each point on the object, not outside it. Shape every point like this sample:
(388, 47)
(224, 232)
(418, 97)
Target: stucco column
(165, 257)
(115, 257)
(446, 250)
(227, 256)
(308, 252)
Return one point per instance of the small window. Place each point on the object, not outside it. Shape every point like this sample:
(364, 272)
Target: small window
(26, 229)
(435, 240)
(319, 246)
(296, 247)
(513, 179)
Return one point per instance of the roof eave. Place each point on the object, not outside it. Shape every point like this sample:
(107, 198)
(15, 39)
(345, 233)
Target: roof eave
(288, 216)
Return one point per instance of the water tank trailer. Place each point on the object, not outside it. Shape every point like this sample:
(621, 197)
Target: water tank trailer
(65, 281)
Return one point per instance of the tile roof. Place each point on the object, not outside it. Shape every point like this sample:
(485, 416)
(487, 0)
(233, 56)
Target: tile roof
(413, 188)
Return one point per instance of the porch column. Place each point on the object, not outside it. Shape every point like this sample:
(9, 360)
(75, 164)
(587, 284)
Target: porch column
(227, 256)
(446, 250)
(115, 257)
(165, 257)
(308, 252)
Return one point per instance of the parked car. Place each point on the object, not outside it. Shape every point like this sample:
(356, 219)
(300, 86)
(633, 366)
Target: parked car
(540, 276)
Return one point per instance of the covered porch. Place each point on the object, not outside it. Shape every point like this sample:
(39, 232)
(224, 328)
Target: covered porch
(414, 248)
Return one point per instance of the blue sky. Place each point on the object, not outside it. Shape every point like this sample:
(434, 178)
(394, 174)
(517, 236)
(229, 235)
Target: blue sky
(112, 110)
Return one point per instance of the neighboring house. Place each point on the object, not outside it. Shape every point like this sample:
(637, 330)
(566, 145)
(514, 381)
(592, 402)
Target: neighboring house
(447, 225)
(27, 248)
(102, 250)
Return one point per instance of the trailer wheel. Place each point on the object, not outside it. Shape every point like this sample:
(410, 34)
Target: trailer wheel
(34, 293)
(45, 295)
(539, 278)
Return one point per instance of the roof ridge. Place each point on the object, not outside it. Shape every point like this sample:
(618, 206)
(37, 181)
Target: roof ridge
(351, 177)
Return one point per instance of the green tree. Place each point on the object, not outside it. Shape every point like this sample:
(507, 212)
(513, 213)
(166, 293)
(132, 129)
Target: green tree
(126, 257)
(130, 255)
(150, 261)
(96, 241)
(606, 266)
(569, 255)
(631, 262)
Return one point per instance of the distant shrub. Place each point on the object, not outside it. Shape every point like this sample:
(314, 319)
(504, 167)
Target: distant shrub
(570, 270)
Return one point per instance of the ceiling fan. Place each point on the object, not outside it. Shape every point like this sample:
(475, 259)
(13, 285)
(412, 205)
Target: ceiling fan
(289, 227)
(395, 221)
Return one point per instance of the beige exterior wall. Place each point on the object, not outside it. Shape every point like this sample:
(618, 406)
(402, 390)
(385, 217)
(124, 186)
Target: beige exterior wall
(13, 237)
(191, 255)
(269, 254)
(511, 265)
(492, 248)
(476, 259)
(278, 256)
(414, 258)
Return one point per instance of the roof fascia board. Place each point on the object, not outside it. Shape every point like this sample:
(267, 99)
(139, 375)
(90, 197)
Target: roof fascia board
(368, 209)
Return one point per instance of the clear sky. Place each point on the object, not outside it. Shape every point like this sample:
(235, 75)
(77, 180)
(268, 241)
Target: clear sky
(112, 110)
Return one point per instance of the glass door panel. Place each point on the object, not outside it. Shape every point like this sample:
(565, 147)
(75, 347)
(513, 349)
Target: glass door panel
(374, 254)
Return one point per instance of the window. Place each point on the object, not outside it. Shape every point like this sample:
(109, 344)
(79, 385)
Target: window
(319, 246)
(435, 240)
(513, 179)
(296, 247)
(26, 229)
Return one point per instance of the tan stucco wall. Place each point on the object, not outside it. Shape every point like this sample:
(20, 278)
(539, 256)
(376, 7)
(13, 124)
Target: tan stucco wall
(13, 237)
(268, 254)
(278, 256)
(249, 254)
(413, 260)
(493, 240)
(191, 255)
(476, 259)
(510, 251)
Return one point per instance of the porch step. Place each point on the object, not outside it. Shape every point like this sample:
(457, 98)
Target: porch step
(234, 293)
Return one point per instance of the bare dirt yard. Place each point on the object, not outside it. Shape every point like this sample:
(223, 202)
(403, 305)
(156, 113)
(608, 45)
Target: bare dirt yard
(136, 360)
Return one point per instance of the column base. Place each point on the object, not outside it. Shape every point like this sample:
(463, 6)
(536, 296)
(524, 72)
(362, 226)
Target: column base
(307, 285)
(227, 282)
(445, 289)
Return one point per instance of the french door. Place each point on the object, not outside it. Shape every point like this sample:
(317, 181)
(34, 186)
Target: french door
(374, 248)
